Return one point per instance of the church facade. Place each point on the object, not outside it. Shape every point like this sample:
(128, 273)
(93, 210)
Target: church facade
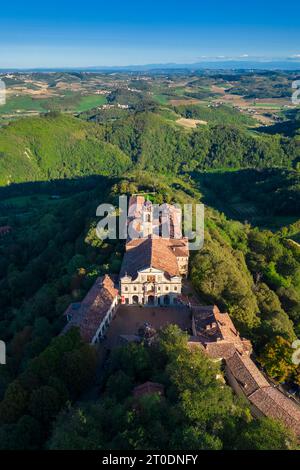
(153, 265)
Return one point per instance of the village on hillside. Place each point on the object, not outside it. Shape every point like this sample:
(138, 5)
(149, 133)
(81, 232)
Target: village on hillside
(152, 291)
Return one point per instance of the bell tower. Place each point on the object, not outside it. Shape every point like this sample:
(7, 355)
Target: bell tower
(147, 217)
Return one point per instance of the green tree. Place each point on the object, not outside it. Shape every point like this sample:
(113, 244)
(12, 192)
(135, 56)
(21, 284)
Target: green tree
(276, 358)
(14, 403)
(119, 385)
(78, 368)
(266, 434)
(45, 403)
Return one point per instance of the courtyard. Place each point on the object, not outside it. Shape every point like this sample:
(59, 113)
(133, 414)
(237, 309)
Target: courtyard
(129, 319)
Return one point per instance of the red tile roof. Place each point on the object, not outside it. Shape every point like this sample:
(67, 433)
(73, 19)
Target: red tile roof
(194, 342)
(220, 349)
(274, 404)
(92, 310)
(179, 252)
(215, 329)
(151, 252)
(246, 373)
(148, 388)
(219, 338)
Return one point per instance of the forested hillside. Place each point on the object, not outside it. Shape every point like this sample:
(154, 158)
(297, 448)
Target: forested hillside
(289, 127)
(54, 147)
(268, 198)
(197, 411)
(220, 114)
(58, 146)
(52, 259)
(156, 143)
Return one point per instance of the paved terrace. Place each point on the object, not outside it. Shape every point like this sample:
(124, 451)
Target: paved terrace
(130, 318)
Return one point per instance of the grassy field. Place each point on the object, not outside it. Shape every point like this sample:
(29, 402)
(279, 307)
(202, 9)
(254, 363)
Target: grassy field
(223, 114)
(25, 206)
(22, 103)
(245, 211)
(68, 102)
(267, 105)
(161, 98)
(89, 102)
(22, 201)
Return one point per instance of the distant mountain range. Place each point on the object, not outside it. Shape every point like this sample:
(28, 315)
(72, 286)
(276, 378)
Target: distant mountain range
(224, 64)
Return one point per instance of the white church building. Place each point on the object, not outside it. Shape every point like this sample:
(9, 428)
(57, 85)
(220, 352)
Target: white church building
(153, 265)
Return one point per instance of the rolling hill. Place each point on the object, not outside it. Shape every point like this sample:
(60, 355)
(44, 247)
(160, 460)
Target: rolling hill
(56, 147)
(157, 143)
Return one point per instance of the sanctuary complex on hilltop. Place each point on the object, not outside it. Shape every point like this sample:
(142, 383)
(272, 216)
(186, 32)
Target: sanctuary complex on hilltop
(151, 275)
(155, 263)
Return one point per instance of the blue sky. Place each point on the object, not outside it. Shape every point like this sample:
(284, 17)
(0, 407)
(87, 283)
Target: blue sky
(112, 32)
